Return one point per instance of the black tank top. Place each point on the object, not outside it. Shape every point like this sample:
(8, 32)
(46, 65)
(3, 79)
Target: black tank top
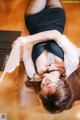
(47, 19)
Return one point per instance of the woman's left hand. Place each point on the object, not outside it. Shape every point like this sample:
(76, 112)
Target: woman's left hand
(20, 41)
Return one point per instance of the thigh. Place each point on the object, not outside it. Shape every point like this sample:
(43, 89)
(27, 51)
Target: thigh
(54, 3)
(35, 6)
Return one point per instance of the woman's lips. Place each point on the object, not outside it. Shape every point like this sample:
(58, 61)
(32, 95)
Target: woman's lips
(43, 76)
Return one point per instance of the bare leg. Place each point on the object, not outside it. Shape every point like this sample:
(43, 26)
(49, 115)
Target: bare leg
(35, 6)
(54, 3)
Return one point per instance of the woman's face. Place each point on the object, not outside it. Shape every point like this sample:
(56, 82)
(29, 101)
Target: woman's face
(50, 73)
(51, 79)
(42, 63)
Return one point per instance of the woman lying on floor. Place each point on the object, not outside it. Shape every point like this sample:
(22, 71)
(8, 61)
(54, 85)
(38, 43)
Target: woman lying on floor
(53, 69)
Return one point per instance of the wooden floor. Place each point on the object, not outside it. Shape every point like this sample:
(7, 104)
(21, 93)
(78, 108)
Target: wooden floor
(12, 11)
(72, 27)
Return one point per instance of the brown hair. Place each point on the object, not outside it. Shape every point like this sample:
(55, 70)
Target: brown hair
(74, 82)
(64, 96)
(59, 100)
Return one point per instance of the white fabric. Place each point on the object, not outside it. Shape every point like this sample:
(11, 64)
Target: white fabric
(28, 63)
(13, 61)
(71, 53)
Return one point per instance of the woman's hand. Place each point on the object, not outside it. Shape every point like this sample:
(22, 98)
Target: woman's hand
(21, 41)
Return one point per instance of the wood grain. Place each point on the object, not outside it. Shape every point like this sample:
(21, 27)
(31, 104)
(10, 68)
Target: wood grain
(12, 18)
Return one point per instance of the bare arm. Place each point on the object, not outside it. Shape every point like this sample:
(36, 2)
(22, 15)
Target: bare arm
(42, 36)
(61, 40)
(71, 59)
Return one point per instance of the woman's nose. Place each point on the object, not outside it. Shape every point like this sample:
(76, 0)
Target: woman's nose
(47, 82)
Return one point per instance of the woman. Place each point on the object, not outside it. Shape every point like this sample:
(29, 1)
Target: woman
(55, 92)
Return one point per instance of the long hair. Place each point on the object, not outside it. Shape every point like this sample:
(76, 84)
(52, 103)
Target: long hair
(64, 96)
(74, 82)
(57, 101)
